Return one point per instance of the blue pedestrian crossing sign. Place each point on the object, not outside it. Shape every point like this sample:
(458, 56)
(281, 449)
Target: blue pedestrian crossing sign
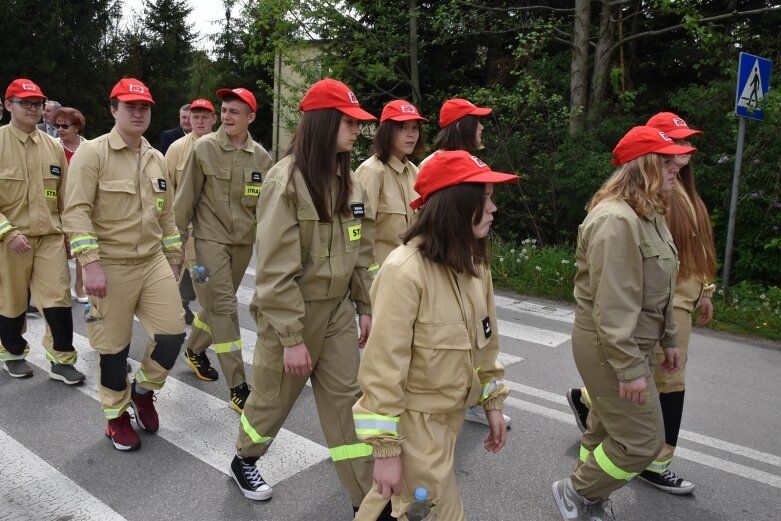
(753, 84)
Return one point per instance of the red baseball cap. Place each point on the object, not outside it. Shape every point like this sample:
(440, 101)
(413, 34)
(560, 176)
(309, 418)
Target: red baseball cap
(201, 103)
(454, 167)
(131, 89)
(457, 108)
(23, 88)
(243, 94)
(400, 110)
(672, 125)
(645, 140)
(333, 94)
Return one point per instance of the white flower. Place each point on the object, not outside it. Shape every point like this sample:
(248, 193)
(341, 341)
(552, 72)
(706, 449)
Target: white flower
(523, 251)
(526, 257)
(512, 250)
(721, 292)
(564, 261)
(538, 268)
(534, 241)
(762, 296)
(518, 260)
(501, 259)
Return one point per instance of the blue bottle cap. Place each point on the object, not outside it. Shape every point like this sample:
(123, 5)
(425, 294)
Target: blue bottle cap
(87, 307)
(421, 494)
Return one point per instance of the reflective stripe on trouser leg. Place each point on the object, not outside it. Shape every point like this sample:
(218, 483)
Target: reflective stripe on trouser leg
(201, 334)
(247, 427)
(609, 467)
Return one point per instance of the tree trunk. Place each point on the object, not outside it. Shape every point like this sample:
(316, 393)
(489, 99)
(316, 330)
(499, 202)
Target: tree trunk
(578, 86)
(600, 78)
(413, 52)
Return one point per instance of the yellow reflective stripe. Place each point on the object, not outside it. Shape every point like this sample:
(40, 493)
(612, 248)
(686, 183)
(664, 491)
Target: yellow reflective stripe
(227, 347)
(172, 241)
(373, 270)
(375, 424)
(252, 191)
(113, 413)
(84, 242)
(586, 397)
(610, 468)
(141, 378)
(357, 450)
(253, 434)
(5, 356)
(68, 361)
(487, 390)
(200, 324)
(659, 467)
(4, 227)
(584, 452)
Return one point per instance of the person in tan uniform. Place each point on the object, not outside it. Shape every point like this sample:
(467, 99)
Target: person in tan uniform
(624, 288)
(388, 176)
(434, 343)
(690, 228)
(313, 255)
(32, 248)
(202, 119)
(119, 216)
(460, 127)
(218, 195)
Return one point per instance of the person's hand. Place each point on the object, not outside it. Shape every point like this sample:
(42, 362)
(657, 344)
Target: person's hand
(497, 431)
(387, 475)
(633, 391)
(94, 280)
(672, 360)
(365, 325)
(706, 311)
(297, 360)
(175, 268)
(19, 244)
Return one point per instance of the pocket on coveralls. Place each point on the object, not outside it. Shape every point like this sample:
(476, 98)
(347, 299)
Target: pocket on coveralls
(269, 358)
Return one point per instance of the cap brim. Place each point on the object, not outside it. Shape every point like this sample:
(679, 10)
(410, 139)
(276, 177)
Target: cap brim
(28, 94)
(481, 111)
(134, 97)
(492, 177)
(356, 112)
(224, 92)
(406, 117)
(683, 133)
(674, 150)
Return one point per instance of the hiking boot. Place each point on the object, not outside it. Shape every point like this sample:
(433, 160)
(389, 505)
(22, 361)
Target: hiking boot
(239, 395)
(200, 365)
(18, 368)
(144, 409)
(249, 480)
(122, 434)
(476, 414)
(66, 373)
(666, 481)
(578, 406)
(574, 507)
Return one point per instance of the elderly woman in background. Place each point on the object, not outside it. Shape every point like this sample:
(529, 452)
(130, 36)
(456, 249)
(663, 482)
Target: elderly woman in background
(69, 123)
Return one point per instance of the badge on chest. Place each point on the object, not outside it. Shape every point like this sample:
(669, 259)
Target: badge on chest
(55, 170)
(358, 210)
(161, 184)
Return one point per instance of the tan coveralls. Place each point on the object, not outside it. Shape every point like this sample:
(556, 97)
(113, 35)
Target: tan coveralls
(119, 212)
(311, 278)
(389, 187)
(32, 173)
(218, 194)
(624, 289)
(431, 354)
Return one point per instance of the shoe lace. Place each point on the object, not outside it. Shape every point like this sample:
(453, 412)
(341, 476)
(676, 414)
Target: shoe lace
(253, 476)
(670, 477)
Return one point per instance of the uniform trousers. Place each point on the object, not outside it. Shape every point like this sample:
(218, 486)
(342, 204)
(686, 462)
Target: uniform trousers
(331, 337)
(621, 438)
(145, 288)
(44, 271)
(217, 321)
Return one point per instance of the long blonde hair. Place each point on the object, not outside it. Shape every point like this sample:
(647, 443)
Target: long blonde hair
(640, 183)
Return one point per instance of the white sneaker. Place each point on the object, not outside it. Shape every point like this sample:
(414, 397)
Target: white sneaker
(476, 414)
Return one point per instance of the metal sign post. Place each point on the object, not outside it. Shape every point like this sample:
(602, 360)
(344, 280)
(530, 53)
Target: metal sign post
(753, 84)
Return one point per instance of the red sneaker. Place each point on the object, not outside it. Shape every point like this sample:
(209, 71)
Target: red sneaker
(144, 409)
(122, 434)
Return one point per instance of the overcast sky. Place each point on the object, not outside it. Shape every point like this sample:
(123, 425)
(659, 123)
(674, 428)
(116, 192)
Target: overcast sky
(203, 14)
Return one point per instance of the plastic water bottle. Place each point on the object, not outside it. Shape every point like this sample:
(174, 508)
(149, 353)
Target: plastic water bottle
(199, 273)
(419, 509)
(87, 316)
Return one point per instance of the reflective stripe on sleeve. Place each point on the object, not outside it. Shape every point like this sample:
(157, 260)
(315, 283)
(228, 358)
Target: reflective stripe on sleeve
(487, 390)
(253, 434)
(227, 347)
(375, 424)
(171, 242)
(4, 227)
(373, 270)
(357, 450)
(84, 243)
(610, 468)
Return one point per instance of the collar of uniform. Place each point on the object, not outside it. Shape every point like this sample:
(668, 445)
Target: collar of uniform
(117, 143)
(22, 136)
(397, 164)
(226, 144)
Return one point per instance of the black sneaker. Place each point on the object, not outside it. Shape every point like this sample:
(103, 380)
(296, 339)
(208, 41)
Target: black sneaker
(200, 365)
(666, 481)
(249, 480)
(579, 409)
(239, 395)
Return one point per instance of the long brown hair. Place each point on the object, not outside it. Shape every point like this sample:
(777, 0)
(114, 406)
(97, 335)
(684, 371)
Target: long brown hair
(459, 135)
(444, 223)
(691, 232)
(638, 182)
(314, 153)
(386, 136)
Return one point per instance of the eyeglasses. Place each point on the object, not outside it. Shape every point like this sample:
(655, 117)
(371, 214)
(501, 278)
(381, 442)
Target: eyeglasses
(27, 105)
(63, 126)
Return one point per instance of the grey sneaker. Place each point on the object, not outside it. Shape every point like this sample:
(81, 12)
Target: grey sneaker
(66, 373)
(476, 414)
(666, 481)
(18, 368)
(574, 507)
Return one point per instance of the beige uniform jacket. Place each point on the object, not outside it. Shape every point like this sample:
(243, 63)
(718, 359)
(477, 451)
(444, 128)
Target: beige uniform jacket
(625, 283)
(219, 189)
(389, 187)
(33, 170)
(118, 204)
(302, 259)
(432, 348)
(176, 158)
